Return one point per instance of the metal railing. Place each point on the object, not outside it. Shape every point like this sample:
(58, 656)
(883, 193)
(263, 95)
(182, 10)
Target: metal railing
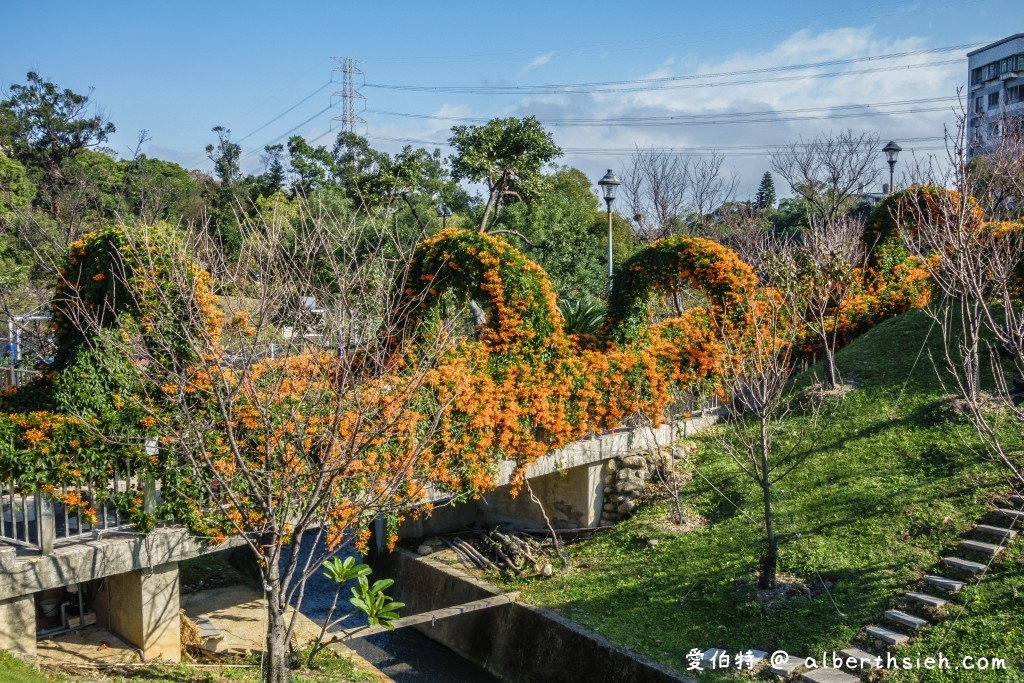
(13, 377)
(37, 520)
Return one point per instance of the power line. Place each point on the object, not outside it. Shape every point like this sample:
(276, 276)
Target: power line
(252, 153)
(729, 150)
(286, 111)
(836, 111)
(628, 85)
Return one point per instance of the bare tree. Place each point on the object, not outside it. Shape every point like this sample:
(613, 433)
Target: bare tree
(976, 271)
(294, 448)
(830, 170)
(997, 175)
(757, 433)
(670, 194)
(825, 271)
(709, 188)
(655, 187)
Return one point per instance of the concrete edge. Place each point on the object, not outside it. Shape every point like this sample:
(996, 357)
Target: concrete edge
(456, 575)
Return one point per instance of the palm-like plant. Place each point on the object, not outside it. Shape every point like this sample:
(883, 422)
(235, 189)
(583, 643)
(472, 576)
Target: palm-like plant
(581, 317)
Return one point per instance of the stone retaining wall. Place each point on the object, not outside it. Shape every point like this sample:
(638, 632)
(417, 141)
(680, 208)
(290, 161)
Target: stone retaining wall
(626, 477)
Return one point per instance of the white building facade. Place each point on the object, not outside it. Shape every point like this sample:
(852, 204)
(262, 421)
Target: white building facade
(996, 91)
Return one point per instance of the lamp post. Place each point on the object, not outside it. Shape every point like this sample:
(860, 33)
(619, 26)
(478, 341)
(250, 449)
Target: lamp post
(443, 212)
(892, 150)
(609, 183)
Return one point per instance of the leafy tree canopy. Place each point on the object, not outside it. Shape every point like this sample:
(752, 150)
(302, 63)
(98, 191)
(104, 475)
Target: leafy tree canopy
(43, 126)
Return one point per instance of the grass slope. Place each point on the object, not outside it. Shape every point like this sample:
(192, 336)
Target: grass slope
(893, 482)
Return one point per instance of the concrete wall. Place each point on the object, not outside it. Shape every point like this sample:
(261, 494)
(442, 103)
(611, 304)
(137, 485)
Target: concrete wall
(569, 482)
(516, 642)
(143, 608)
(18, 625)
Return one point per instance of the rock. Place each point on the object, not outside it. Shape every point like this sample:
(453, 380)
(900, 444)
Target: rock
(629, 487)
(609, 507)
(626, 507)
(424, 550)
(608, 478)
(626, 475)
(547, 570)
(611, 466)
(635, 462)
(609, 489)
(652, 542)
(616, 498)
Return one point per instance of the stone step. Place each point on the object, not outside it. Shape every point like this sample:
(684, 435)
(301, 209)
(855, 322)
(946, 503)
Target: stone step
(949, 585)
(787, 668)
(988, 549)
(1017, 500)
(904, 619)
(865, 660)
(995, 531)
(710, 658)
(925, 599)
(963, 565)
(828, 676)
(887, 636)
(1015, 515)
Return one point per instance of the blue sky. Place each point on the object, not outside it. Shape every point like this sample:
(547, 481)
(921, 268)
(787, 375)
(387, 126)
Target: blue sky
(178, 69)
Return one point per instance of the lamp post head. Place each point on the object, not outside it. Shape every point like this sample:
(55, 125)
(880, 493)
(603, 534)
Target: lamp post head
(892, 150)
(443, 211)
(609, 183)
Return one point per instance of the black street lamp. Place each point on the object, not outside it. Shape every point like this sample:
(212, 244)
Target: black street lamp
(892, 150)
(443, 212)
(609, 183)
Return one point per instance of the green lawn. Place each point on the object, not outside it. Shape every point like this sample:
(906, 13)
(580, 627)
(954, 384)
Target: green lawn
(893, 481)
(13, 670)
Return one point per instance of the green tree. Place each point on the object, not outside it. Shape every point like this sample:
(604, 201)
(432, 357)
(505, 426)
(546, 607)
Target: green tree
(272, 179)
(312, 167)
(354, 163)
(566, 233)
(226, 157)
(507, 155)
(154, 190)
(44, 126)
(765, 199)
(16, 190)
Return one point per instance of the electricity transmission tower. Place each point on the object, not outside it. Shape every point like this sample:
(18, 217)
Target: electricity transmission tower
(349, 94)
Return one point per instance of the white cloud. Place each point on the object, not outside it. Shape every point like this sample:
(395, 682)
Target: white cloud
(865, 82)
(537, 62)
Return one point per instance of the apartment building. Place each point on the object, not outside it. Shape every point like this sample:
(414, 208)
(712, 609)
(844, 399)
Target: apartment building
(996, 92)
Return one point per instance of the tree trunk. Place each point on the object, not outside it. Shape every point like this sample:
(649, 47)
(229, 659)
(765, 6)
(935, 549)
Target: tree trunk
(770, 560)
(479, 316)
(275, 664)
(830, 372)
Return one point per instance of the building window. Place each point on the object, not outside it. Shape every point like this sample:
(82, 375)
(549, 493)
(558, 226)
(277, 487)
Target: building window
(993, 99)
(990, 71)
(979, 104)
(976, 76)
(1014, 94)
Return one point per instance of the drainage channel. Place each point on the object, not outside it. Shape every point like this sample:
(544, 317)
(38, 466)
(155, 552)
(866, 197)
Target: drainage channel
(406, 655)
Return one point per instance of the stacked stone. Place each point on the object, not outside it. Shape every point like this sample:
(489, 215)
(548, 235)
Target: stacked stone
(626, 476)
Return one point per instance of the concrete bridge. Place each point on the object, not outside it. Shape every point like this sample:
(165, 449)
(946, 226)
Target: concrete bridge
(571, 483)
(131, 580)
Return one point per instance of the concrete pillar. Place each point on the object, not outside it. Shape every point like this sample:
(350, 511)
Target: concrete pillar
(18, 625)
(572, 498)
(142, 607)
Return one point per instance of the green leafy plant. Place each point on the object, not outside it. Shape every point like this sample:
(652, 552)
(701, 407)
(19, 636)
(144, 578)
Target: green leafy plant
(380, 609)
(581, 317)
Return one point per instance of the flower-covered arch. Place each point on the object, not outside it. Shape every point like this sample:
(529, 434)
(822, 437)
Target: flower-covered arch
(513, 291)
(696, 262)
